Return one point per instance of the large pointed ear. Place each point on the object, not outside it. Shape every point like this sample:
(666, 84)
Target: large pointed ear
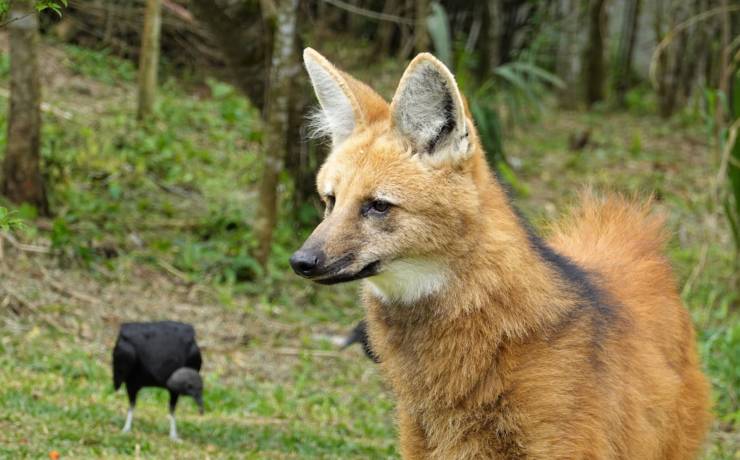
(346, 104)
(428, 111)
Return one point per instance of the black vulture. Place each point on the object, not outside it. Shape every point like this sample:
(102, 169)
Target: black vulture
(160, 354)
(359, 335)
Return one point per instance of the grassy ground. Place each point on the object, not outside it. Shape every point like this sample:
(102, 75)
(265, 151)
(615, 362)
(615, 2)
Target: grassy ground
(152, 222)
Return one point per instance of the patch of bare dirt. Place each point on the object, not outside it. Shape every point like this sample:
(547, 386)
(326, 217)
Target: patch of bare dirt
(89, 307)
(68, 94)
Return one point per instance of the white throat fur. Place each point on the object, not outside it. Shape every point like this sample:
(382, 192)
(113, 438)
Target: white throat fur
(408, 280)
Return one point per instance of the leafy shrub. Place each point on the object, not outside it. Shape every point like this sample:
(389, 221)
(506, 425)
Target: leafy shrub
(8, 220)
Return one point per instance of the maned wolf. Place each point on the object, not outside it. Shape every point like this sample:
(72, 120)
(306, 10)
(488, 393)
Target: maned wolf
(497, 344)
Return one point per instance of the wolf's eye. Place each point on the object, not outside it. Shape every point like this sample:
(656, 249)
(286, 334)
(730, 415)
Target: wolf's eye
(329, 201)
(380, 206)
(376, 207)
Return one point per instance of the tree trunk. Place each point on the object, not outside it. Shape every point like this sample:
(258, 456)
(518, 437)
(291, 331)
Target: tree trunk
(22, 181)
(303, 156)
(421, 35)
(386, 29)
(724, 62)
(662, 90)
(109, 20)
(625, 53)
(594, 53)
(489, 43)
(697, 43)
(691, 45)
(244, 40)
(149, 57)
(569, 61)
(675, 65)
(406, 41)
(283, 69)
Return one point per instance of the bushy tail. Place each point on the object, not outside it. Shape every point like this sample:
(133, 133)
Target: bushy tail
(623, 242)
(616, 236)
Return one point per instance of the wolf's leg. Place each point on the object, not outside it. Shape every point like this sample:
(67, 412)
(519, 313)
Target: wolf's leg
(413, 440)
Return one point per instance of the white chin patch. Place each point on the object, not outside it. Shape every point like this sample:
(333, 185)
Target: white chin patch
(408, 280)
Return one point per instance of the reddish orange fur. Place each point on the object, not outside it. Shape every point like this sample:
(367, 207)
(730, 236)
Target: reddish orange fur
(511, 360)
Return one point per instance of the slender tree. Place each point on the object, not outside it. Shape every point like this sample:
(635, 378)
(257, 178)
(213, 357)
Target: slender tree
(569, 57)
(244, 39)
(625, 52)
(490, 34)
(677, 64)
(724, 60)
(283, 69)
(421, 35)
(245, 34)
(149, 57)
(595, 72)
(386, 29)
(406, 40)
(22, 181)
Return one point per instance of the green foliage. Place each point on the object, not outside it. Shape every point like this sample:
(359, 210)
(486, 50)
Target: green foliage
(99, 65)
(513, 96)
(51, 5)
(640, 100)
(720, 348)
(169, 193)
(635, 145)
(732, 204)
(522, 86)
(728, 140)
(40, 5)
(718, 325)
(4, 65)
(438, 26)
(9, 221)
(489, 127)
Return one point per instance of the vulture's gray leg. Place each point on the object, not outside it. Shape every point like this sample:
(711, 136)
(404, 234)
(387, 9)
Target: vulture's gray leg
(171, 416)
(129, 420)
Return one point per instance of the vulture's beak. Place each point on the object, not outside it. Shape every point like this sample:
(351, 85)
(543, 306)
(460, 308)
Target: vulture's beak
(199, 401)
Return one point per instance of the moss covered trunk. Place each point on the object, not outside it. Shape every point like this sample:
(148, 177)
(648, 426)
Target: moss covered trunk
(149, 57)
(283, 68)
(595, 71)
(22, 180)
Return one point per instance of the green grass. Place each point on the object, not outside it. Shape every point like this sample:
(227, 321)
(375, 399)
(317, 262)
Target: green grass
(64, 401)
(99, 65)
(153, 221)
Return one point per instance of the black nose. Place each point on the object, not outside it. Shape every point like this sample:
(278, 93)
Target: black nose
(306, 262)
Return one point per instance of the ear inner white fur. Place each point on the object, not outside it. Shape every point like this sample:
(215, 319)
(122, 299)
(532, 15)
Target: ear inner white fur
(427, 109)
(336, 117)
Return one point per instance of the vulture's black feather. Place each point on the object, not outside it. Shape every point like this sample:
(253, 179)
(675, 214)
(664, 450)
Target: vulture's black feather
(124, 361)
(159, 354)
(359, 335)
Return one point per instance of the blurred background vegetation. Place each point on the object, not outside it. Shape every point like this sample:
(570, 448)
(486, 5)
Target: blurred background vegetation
(155, 166)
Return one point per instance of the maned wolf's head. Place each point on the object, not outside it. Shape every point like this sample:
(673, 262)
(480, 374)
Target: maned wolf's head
(400, 184)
